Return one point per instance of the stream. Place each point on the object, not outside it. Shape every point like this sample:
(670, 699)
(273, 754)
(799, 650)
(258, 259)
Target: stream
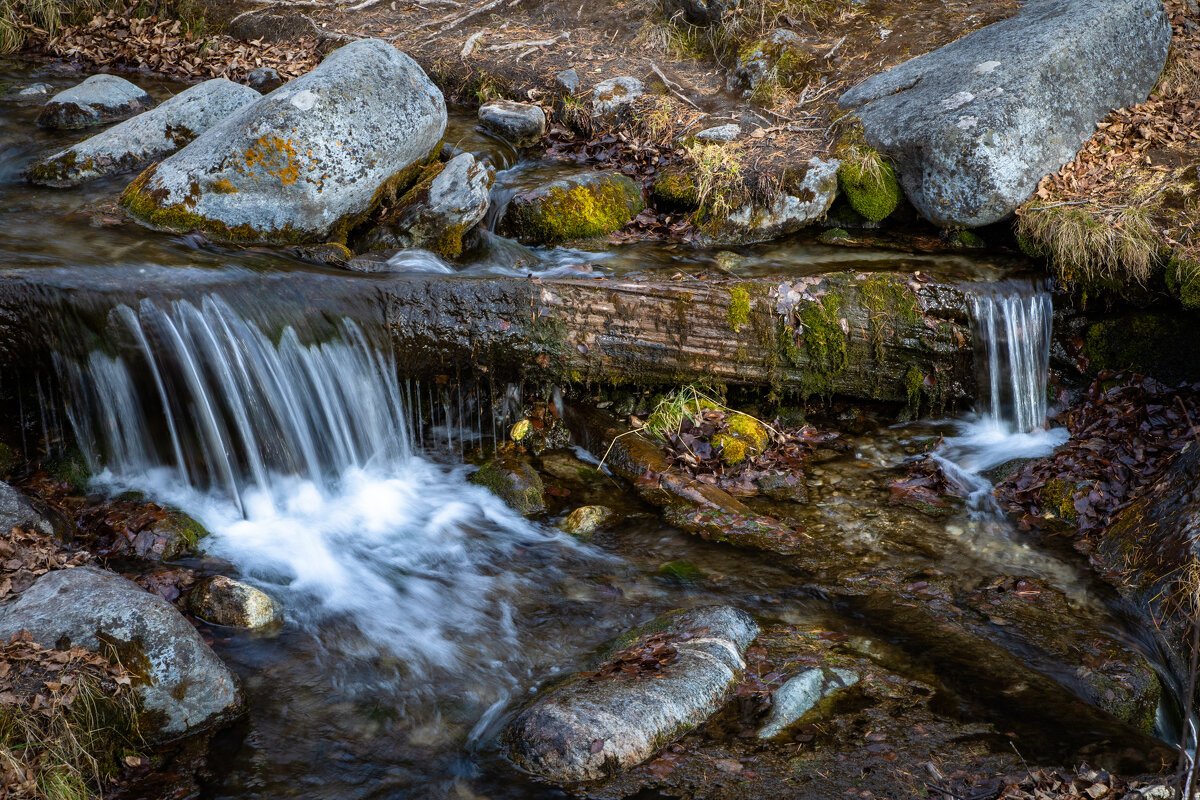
(257, 392)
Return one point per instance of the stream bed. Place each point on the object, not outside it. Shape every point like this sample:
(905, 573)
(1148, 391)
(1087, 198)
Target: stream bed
(256, 391)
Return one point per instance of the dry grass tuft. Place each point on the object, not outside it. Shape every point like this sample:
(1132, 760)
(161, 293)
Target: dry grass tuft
(717, 173)
(1089, 243)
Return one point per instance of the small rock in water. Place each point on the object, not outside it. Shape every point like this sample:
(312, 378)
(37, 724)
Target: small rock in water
(579, 207)
(264, 79)
(185, 687)
(97, 101)
(567, 81)
(615, 94)
(168, 539)
(33, 93)
(513, 481)
(664, 679)
(584, 520)
(522, 124)
(152, 135)
(801, 694)
(224, 601)
(682, 572)
(720, 133)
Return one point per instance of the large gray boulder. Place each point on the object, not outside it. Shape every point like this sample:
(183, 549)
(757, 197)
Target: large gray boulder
(184, 687)
(99, 100)
(600, 723)
(305, 163)
(974, 126)
(436, 213)
(793, 207)
(148, 136)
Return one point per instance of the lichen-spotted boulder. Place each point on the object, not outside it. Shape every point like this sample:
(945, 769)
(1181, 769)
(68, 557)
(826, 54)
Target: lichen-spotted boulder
(146, 137)
(99, 100)
(183, 685)
(797, 204)
(307, 162)
(578, 207)
(600, 723)
(974, 126)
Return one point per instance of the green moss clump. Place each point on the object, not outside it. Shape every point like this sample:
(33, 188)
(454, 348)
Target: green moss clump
(739, 308)
(966, 239)
(515, 482)
(675, 190)
(835, 236)
(1183, 281)
(873, 192)
(733, 450)
(1058, 497)
(72, 470)
(749, 430)
(683, 572)
(826, 342)
(575, 209)
(914, 381)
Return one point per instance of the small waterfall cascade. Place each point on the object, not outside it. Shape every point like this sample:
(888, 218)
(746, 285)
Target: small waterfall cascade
(1012, 327)
(204, 394)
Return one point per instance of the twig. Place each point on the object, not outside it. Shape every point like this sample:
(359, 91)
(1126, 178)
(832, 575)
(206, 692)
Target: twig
(469, 45)
(833, 49)
(671, 86)
(534, 44)
(454, 20)
(1056, 205)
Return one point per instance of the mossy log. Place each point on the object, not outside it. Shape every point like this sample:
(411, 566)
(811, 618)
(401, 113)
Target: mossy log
(882, 336)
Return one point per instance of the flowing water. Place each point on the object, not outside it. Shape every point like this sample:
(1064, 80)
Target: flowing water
(259, 394)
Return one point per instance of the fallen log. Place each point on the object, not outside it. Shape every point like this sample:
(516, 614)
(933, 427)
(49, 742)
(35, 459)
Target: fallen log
(881, 336)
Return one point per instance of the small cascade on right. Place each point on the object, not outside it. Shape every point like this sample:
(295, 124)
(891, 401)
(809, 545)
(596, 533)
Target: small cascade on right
(1012, 323)
(1012, 332)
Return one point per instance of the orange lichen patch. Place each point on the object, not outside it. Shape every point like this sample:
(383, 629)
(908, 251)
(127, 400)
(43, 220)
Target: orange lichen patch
(224, 186)
(274, 156)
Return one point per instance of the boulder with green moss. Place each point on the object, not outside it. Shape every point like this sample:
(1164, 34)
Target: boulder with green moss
(308, 162)
(804, 197)
(578, 207)
(447, 201)
(870, 186)
(515, 482)
(146, 137)
(778, 60)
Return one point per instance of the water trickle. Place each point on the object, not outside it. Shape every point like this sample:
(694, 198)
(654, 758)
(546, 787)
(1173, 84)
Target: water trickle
(1012, 327)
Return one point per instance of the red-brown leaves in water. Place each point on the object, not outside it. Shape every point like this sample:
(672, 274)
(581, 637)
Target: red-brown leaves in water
(1123, 435)
(645, 658)
(924, 488)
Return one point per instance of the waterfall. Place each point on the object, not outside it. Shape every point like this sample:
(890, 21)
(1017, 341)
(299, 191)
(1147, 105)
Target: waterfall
(1012, 327)
(298, 457)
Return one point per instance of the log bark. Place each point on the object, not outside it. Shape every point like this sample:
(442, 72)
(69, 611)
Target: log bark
(882, 336)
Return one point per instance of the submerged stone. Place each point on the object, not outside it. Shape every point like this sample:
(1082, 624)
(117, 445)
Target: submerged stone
(184, 687)
(600, 723)
(584, 520)
(99, 100)
(303, 164)
(225, 601)
(146, 137)
(513, 481)
(972, 127)
(522, 124)
(578, 207)
(794, 700)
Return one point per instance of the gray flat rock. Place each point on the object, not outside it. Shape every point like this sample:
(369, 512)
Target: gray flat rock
(972, 127)
(146, 137)
(522, 124)
(791, 210)
(99, 100)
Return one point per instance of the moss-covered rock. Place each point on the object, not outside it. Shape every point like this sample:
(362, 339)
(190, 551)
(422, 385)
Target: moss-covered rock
(584, 521)
(579, 207)
(682, 572)
(675, 190)
(513, 481)
(224, 601)
(870, 186)
(1163, 345)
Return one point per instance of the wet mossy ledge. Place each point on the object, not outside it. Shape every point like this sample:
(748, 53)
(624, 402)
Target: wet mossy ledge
(877, 336)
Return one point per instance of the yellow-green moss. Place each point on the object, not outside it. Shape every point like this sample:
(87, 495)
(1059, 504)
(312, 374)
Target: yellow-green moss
(733, 450)
(739, 308)
(826, 342)
(675, 190)
(749, 430)
(1183, 281)
(914, 381)
(872, 192)
(578, 211)
(1058, 497)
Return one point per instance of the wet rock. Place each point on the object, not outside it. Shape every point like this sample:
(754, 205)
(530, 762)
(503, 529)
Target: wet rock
(168, 539)
(99, 100)
(1000, 472)
(700, 12)
(566, 467)
(522, 124)
(301, 165)
(800, 695)
(224, 601)
(567, 81)
(788, 487)
(776, 60)
(595, 726)
(25, 95)
(614, 95)
(681, 572)
(578, 207)
(795, 207)
(438, 211)
(972, 127)
(720, 133)
(584, 520)
(513, 481)
(264, 79)
(17, 511)
(184, 687)
(148, 136)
